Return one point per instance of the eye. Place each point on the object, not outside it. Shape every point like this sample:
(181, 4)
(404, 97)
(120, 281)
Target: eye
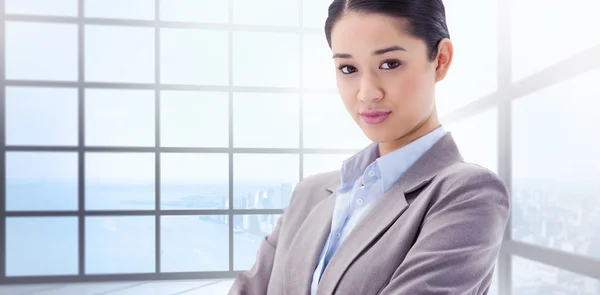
(390, 64)
(346, 69)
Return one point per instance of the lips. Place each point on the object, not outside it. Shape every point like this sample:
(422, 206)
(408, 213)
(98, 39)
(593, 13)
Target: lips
(374, 117)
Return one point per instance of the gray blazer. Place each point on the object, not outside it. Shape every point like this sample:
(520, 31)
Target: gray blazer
(438, 230)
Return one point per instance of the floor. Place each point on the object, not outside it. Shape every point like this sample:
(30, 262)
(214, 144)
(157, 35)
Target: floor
(196, 287)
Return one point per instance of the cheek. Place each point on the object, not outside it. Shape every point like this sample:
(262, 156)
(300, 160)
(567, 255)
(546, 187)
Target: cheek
(347, 92)
(410, 91)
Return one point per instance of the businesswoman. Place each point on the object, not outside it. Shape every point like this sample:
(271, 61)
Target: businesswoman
(406, 215)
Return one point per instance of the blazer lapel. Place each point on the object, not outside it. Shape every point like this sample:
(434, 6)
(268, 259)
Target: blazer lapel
(387, 210)
(307, 246)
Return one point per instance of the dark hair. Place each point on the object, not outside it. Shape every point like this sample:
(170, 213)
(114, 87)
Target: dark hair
(425, 19)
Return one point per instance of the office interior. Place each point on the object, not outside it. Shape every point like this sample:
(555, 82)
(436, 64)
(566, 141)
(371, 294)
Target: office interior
(147, 146)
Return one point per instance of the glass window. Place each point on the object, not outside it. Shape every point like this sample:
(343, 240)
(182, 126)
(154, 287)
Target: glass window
(128, 59)
(264, 181)
(194, 57)
(25, 58)
(185, 121)
(185, 246)
(477, 138)
(474, 69)
(41, 246)
(119, 117)
(315, 13)
(129, 9)
(41, 116)
(319, 163)
(119, 245)
(257, 62)
(555, 158)
(249, 231)
(327, 124)
(266, 120)
(200, 11)
(42, 7)
(319, 68)
(532, 278)
(41, 181)
(119, 181)
(266, 12)
(194, 181)
(575, 32)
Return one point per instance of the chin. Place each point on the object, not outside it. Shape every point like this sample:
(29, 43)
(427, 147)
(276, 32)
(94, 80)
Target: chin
(379, 136)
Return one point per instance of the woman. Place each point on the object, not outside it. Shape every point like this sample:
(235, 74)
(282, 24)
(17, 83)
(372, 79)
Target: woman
(406, 215)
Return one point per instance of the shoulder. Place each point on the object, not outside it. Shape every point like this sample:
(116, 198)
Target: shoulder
(464, 181)
(312, 189)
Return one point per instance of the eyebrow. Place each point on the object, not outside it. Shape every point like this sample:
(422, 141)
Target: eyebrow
(376, 52)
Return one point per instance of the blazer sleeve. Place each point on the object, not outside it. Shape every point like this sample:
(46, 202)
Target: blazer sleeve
(459, 241)
(256, 280)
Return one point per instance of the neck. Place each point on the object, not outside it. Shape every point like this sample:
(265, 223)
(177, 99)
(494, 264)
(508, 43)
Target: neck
(428, 125)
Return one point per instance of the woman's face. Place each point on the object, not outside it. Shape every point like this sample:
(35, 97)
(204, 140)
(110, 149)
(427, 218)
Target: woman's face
(384, 75)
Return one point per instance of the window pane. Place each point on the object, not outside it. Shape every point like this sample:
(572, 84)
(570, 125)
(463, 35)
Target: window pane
(196, 57)
(266, 120)
(314, 164)
(548, 170)
(201, 11)
(118, 245)
(41, 246)
(119, 181)
(42, 7)
(36, 51)
(533, 278)
(327, 124)
(194, 243)
(129, 9)
(108, 111)
(257, 62)
(315, 13)
(319, 68)
(41, 116)
(129, 58)
(477, 138)
(266, 12)
(473, 73)
(576, 30)
(264, 181)
(41, 181)
(249, 232)
(186, 123)
(194, 181)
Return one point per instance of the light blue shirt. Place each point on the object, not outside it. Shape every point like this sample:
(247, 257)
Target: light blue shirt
(365, 177)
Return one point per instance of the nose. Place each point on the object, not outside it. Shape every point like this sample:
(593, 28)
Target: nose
(370, 90)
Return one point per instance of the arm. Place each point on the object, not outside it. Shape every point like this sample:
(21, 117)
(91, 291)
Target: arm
(256, 280)
(459, 240)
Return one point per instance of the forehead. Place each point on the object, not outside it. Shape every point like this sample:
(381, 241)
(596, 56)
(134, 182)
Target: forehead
(356, 31)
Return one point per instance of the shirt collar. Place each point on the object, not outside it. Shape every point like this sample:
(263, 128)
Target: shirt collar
(370, 166)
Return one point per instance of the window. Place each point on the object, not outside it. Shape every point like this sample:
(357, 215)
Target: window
(143, 128)
(555, 181)
(530, 277)
(576, 32)
(152, 139)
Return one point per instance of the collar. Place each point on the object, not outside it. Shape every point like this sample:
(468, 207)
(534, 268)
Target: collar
(441, 155)
(370, 166)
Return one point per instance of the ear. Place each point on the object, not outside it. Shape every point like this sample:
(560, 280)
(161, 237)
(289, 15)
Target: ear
(443, 59)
